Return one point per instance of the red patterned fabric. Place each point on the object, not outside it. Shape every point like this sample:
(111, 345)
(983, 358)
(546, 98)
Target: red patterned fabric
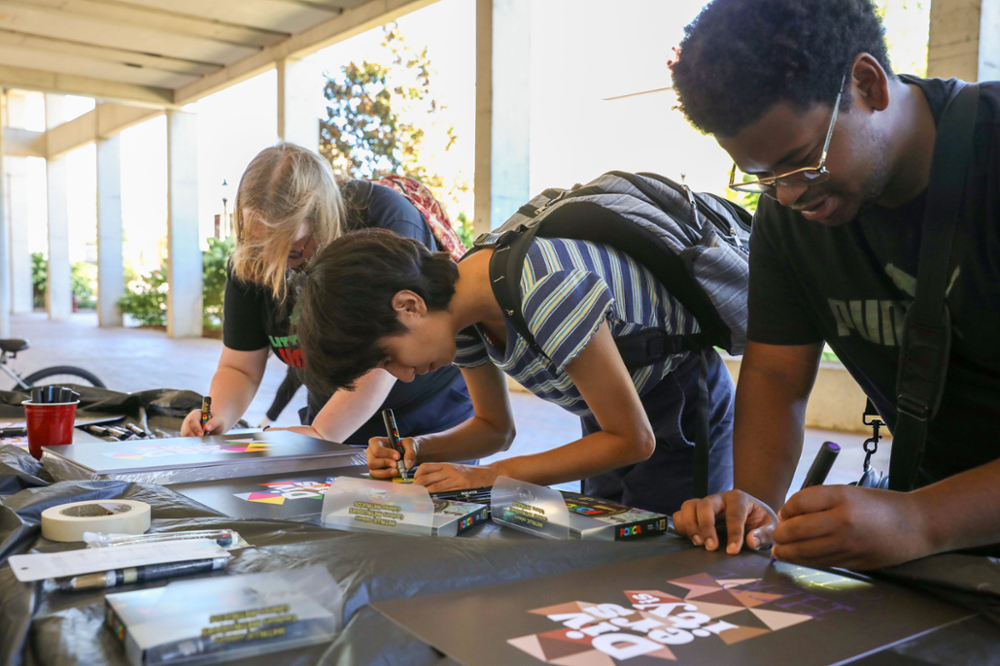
(432, 210)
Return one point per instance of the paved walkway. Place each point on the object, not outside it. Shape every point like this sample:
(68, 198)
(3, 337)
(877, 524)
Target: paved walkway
(131, 359)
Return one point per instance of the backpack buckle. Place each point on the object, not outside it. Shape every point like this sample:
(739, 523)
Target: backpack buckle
(506, 238)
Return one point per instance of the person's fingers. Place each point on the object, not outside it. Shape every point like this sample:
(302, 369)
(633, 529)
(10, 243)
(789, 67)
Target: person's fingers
(443, 481)
(379, 457)
(811, 500)
(409, 452)
(824, 551)
(379, 447)
(760, 537)
(190, 426)
(382, 472)
(806, 527)
(214, 426)
(427, 468)
(431, 478)
(705, 512)
(736, 519)
(685, 519)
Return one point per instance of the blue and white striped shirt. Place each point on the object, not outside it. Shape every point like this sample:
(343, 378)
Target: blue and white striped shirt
(568, 288)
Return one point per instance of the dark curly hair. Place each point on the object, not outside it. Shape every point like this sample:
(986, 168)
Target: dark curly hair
(740, 57)
(346, 301)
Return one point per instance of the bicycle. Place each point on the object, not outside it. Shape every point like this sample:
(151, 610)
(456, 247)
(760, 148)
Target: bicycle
(59, 374)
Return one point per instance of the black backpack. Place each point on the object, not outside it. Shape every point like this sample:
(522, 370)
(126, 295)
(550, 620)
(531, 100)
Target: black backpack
(695, 244)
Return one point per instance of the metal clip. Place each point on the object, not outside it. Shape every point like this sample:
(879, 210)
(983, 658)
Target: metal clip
(873, 441)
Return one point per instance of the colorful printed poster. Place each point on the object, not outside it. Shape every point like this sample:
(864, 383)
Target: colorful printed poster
(188, 459)
(687, 607)
(154, 449)
(278, 492)
(300, 498)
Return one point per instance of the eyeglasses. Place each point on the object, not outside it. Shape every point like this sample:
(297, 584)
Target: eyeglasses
(295, 255)
(807, 176)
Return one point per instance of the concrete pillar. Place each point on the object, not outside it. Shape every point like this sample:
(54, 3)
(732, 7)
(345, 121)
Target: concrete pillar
(502, 110)
(184, 309)
(964, 40)
(58, 288)
(4, 237)
(15, 177)
(110, 273)
(300, 89)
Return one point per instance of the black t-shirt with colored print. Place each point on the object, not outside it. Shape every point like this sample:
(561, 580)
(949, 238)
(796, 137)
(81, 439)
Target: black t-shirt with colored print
(253, 320)
(851, 285)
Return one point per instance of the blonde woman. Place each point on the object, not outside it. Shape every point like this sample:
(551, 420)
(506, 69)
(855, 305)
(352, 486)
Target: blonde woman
(288, 207)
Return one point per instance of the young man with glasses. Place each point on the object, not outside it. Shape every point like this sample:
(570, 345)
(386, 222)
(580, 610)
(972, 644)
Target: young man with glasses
(802, 96)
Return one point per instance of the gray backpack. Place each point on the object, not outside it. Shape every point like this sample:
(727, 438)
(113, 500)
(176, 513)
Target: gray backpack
(695, 244)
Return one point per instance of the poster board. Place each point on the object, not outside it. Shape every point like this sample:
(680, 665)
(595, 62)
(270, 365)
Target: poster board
(688, 607)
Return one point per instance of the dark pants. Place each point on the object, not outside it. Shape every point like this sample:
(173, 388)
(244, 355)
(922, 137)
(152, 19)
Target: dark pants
(444, 409)
(664, 481)
(289, 386)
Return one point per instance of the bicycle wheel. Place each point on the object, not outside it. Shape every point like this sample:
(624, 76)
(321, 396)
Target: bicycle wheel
(63, 374)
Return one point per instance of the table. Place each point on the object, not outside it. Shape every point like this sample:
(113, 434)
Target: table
(39, 628)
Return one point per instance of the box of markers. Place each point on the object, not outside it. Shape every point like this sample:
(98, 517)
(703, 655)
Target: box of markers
(224, 618)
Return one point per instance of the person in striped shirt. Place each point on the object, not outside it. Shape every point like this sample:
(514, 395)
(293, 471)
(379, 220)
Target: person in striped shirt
(401, 307)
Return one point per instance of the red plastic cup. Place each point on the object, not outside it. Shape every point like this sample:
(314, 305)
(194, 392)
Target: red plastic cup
(49, 424)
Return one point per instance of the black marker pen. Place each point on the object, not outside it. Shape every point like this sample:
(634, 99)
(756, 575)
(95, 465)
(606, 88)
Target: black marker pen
(820, 468)
(393, 433)
(821, 465)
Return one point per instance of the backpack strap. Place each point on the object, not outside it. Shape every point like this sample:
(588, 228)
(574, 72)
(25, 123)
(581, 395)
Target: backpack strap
(637, 350)
(509, 251)
(925, 347)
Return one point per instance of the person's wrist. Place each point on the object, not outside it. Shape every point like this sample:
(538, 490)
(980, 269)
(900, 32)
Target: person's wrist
(417, 441)
(931, 535)
(497, 469)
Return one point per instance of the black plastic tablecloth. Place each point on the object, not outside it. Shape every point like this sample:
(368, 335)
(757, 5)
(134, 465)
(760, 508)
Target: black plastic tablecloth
(55, 629)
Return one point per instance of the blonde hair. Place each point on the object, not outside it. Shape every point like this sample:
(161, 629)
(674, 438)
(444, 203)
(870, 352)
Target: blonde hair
(283, 188)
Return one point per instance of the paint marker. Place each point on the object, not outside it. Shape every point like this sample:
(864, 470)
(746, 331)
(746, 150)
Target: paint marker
(136, 430)
(119, 433)
(206, 410)
(816, 475)
(142, 574)
(393, 433)
(821, 465)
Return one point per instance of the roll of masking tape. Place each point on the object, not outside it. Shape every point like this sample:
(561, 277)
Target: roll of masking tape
(68, 522)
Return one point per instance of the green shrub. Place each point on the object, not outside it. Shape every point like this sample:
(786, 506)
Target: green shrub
(84, 281)
(83, 278)
(39, 276)
(145, 298)
(214, 261)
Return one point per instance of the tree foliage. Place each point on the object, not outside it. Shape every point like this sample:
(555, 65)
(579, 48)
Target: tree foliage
(382, 117)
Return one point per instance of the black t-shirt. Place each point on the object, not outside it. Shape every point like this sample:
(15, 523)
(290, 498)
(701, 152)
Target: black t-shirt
(252, 320)
(851, 285)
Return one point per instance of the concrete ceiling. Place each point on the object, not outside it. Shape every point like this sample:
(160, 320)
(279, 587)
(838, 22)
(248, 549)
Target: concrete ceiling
(168, 52)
